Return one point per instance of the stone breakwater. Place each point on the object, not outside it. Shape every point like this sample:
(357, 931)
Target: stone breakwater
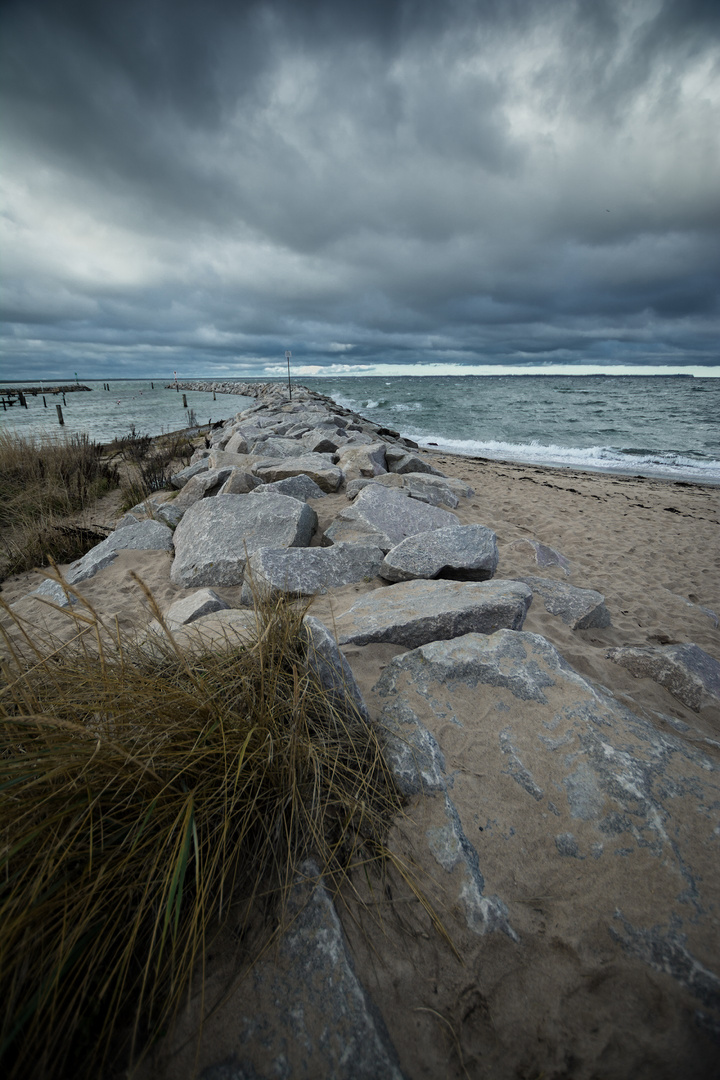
(575, 843)
(251, 390)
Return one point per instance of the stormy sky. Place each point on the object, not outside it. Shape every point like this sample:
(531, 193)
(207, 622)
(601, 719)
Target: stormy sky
(379, 186)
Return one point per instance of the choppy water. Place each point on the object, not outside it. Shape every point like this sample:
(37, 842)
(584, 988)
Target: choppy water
(663, 426)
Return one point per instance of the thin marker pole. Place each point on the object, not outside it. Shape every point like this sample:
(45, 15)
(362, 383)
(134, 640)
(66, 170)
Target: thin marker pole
(288, 354)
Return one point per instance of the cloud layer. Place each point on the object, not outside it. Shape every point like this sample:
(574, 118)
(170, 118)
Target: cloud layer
(201, 186)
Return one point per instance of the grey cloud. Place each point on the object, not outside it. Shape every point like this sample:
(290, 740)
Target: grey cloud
(476, 179)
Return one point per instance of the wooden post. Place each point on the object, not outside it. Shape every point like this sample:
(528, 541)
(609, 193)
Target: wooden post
(59, 412)
(184, 401)
(152, 385)
(64, 401)
(214, 398)
(44, 401)
(23, 402)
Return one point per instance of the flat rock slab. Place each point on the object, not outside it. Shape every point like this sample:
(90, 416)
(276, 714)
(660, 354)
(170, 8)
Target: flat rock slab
(580, 609)
(304, 1011)
(144, 536)
(217, 535)
(318, 467)
(307, 571)
(297, 487)
(460, 552)
(412, 613)
(588, 838)
(690, 674)
(388, 514)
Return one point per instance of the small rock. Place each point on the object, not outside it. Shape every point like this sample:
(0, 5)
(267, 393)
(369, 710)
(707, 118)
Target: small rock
(581, 609)
(690, 674)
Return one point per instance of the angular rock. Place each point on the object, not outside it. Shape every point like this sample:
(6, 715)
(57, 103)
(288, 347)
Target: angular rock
(354, 487)
(576, 791)
(219, 631)
(459, 552)
(690, 674)
(415, 612)
(239, 482)
(402, 461)
(144, 536)
(307, 571)
(221, 459)
(170, 513)
(236, 444)
(53, 592)
(216, 536)
(303, 1011)
(545, 555)
(318, 467)
(332, 669)
(203, 484)
(358, 461)
(180, 479)
(580, 609)
(190, 608)
(388, 514)
(297, 487)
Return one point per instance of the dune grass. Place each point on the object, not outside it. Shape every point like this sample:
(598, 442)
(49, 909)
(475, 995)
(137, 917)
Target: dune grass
(44, 486)
(142, 794)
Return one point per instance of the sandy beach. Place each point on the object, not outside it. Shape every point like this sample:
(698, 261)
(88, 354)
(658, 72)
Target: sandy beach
(652, 548)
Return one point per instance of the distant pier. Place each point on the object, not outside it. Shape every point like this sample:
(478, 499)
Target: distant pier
(12, 395)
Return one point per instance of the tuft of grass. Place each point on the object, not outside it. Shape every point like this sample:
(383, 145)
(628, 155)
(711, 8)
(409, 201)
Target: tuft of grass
(151, 463)
(44, 485)
(144, 791)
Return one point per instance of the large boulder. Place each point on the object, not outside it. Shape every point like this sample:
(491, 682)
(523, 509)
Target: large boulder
(216, 536)
(687, 671)
(201, 485)
(239, 482)
(402, 461)
(412, 613)
(189, 608)
(307, 571)
(298, 487)
(581, 609)
(387, 514)
(146, 535)
(586, 836)
(318, 467)
(180, 479)
(357, 461)
(460, 552)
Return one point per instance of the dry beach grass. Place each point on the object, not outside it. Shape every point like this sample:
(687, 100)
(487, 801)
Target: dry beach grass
(651, 547)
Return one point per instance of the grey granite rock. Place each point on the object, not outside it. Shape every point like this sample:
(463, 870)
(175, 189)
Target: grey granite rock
(318, 467)
(146, 535)
(357, 461)
(222, 459)
(216, 535)
(297, 487)
(180, 479)
(436, 490)
(689, 673)
(237, 443)
(221, 630)
(544, 555)
(332, 669)
(388, 514)
(190, 608)
(203, 484)
(303, 1012)
(402, 461)
(53, 592)
(460, 552)
(581, 609)
(307, 571)
(239, 482)
(412, 613)
(574, 787)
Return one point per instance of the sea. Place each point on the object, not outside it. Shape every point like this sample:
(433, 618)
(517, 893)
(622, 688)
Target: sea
(658, 426)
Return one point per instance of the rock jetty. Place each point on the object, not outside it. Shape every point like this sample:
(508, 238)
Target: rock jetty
(577, 859)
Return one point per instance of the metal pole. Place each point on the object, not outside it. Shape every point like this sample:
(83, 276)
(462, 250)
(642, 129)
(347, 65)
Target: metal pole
(288, 354)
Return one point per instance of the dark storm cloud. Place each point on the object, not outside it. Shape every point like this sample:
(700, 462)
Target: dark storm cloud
(475, 182)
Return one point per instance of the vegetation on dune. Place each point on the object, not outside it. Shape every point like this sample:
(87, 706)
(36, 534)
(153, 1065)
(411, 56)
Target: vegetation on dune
(142, 794)
(49, 490)
(44, 487)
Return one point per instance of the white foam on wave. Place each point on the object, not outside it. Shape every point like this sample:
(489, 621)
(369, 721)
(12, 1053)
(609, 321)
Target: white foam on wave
(594, 458)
